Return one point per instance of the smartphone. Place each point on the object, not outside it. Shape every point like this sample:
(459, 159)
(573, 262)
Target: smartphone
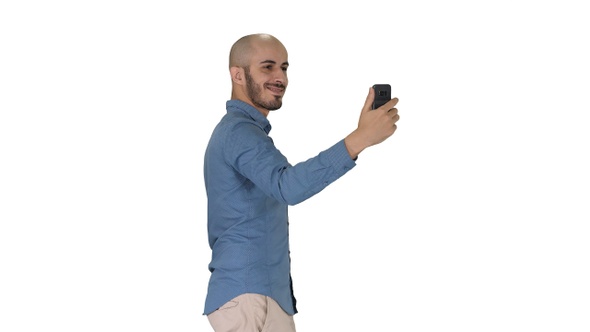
(382, 95)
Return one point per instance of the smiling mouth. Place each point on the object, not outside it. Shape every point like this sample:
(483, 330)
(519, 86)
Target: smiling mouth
(276, 89)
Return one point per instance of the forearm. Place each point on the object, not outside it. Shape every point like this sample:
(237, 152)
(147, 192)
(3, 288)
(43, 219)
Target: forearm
(305, 179)
(355, 144)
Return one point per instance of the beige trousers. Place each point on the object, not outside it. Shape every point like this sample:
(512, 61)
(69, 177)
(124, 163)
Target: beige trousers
(251, 313)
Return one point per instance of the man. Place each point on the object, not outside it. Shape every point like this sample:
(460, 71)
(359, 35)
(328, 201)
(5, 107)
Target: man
(250, 184)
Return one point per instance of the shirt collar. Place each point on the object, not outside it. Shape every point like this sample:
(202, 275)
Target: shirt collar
(251, 111)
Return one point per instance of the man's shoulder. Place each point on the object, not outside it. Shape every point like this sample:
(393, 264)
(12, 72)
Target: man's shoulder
(236, 129)
(233, 122)
(229, 123)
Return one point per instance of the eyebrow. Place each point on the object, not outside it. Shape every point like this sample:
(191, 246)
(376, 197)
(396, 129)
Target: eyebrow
(274, 62)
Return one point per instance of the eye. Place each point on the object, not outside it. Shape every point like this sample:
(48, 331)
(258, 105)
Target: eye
(284, 69)
(269, 67)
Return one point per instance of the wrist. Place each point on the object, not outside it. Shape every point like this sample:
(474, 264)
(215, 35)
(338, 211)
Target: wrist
(354, 144)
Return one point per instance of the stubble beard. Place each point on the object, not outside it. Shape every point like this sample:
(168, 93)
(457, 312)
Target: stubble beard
(255, 94)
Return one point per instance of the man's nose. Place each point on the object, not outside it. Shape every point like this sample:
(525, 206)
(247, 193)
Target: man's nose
(281, 77)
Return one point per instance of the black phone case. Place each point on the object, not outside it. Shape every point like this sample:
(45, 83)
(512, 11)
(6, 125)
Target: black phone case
(382, 95)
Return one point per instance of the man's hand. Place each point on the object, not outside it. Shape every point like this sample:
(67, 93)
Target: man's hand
(374, 126)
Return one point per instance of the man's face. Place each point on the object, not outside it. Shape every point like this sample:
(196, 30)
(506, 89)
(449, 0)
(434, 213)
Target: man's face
(266, 77)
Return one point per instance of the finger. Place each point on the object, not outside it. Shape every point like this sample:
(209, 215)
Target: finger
(369, 100)
(391, 104)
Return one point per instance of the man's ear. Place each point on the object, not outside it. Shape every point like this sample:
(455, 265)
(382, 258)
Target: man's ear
(237, 75)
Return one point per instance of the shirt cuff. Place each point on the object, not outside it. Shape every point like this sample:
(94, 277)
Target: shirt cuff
(339, 156)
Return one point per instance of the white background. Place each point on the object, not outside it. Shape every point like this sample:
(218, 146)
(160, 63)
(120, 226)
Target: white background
(472, 217)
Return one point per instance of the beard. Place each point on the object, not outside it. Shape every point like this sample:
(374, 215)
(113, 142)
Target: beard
(255, 93)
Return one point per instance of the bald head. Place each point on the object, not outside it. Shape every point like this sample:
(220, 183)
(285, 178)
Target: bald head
(258, 68)
(242, 50)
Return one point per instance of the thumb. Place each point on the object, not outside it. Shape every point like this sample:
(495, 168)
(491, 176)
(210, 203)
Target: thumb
(369, 100)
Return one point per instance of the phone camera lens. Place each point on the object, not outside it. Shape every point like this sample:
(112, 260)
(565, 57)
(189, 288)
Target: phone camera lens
(382, 93)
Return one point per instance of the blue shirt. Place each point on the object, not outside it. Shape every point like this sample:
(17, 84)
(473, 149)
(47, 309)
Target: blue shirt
(249, 186)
